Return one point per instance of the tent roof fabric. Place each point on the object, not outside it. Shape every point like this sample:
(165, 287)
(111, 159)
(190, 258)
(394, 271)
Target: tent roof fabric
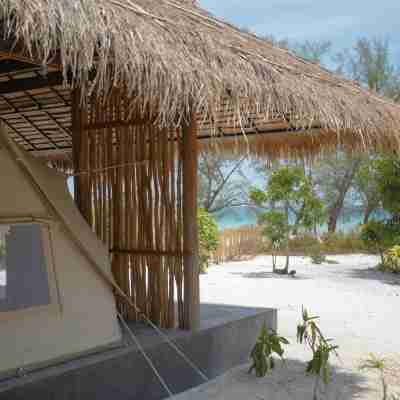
(53, 189)
(174, 57)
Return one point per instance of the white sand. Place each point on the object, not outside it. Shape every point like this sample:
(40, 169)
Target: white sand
(359, 308)
(2, 278)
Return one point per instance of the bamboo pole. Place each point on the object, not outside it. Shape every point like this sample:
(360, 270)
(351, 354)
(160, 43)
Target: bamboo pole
(190, 230)
(76, 145)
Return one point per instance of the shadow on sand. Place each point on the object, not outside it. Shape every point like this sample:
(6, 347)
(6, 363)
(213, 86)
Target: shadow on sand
(268, 275)
(372, 273)
(286, 382)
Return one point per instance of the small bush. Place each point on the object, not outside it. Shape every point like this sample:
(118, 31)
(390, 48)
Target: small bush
(316, 254)
(391, 260)
(379, 236)
(208, 238)
(268, 344)
(302, 242)
(342, 243)
(309, 333)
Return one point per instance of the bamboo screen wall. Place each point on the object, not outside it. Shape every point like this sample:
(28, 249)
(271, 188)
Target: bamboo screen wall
(237, 243)
(130, 192)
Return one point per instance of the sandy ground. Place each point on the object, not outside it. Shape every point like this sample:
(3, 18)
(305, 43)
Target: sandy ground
(359, 308)
(2, 284)
(2, 278)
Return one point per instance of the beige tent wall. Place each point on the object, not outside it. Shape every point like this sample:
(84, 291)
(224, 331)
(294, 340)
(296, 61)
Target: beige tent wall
(84, 314)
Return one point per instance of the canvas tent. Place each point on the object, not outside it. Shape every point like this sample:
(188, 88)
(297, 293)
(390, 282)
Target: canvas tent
(57, 298)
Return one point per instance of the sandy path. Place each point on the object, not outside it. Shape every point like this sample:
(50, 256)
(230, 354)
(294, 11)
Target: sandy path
(359, 308)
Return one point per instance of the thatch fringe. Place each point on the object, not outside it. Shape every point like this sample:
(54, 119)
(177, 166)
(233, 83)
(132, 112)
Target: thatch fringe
(311, 145)
(172, 57)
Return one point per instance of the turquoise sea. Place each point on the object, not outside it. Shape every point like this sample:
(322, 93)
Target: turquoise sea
(245, 216)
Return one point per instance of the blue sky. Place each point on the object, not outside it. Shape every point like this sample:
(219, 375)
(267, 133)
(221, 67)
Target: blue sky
(340, 21)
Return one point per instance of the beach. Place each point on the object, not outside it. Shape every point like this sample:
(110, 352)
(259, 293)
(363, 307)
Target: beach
(357, 306)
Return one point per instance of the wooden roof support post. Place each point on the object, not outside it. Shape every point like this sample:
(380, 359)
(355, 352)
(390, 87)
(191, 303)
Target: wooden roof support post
(76, 144)
(190, 230)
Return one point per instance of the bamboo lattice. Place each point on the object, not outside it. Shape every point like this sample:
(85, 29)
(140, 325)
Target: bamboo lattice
(130, 192)
(239, 242)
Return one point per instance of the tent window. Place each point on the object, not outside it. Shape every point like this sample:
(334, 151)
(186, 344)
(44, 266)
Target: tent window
(24, 280)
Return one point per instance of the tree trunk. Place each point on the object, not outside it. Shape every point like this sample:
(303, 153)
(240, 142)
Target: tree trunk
(334, 214)
(337, 207)
(367, 214)
(285, 271)
(273, 262)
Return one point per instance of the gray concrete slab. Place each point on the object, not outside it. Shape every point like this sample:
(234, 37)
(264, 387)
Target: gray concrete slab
(224, 340)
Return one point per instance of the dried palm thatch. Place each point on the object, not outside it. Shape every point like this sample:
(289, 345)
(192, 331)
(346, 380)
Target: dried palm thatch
(174, 58)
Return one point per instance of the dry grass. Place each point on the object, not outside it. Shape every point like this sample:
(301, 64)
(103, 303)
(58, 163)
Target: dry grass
(173, 58)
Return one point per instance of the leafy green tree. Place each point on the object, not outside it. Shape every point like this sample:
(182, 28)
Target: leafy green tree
(382, 235)
(388, 184)
(208, 238)
(334, 178)
(366, 186)
(293, 205)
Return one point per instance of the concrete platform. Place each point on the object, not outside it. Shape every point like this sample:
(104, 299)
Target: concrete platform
(224, 340)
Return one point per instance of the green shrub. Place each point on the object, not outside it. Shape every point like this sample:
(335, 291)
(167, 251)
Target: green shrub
(208, 238)
(378, 236)
(302, 242)
(342, 243)
(268, 343)
(309, 333)
(391, 260)
(316, 254)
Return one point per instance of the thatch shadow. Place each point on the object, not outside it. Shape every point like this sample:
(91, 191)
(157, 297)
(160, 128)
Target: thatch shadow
(268, 275)
(374, 274)
(288, 381)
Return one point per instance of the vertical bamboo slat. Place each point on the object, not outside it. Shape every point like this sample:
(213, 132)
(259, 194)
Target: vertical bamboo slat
(240, 242)
(190, 230)
(130, 188)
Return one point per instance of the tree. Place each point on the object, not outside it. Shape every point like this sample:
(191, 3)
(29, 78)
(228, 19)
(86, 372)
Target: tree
(382, 235)
(313, 51)
(334, 177)
(369, 62)
(388, 184)
(293, 205)
(222, 183)
(366, 185)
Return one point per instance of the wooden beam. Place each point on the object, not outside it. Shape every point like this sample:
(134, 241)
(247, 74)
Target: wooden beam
(22, 85)
(190, 230)
(62, 153)
(146, 252)
(225, 137)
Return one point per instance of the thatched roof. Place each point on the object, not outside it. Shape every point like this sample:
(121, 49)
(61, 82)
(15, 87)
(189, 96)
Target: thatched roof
(173, 56)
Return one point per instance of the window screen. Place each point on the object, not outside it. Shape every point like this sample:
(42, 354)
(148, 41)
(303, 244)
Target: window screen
(23, 273)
